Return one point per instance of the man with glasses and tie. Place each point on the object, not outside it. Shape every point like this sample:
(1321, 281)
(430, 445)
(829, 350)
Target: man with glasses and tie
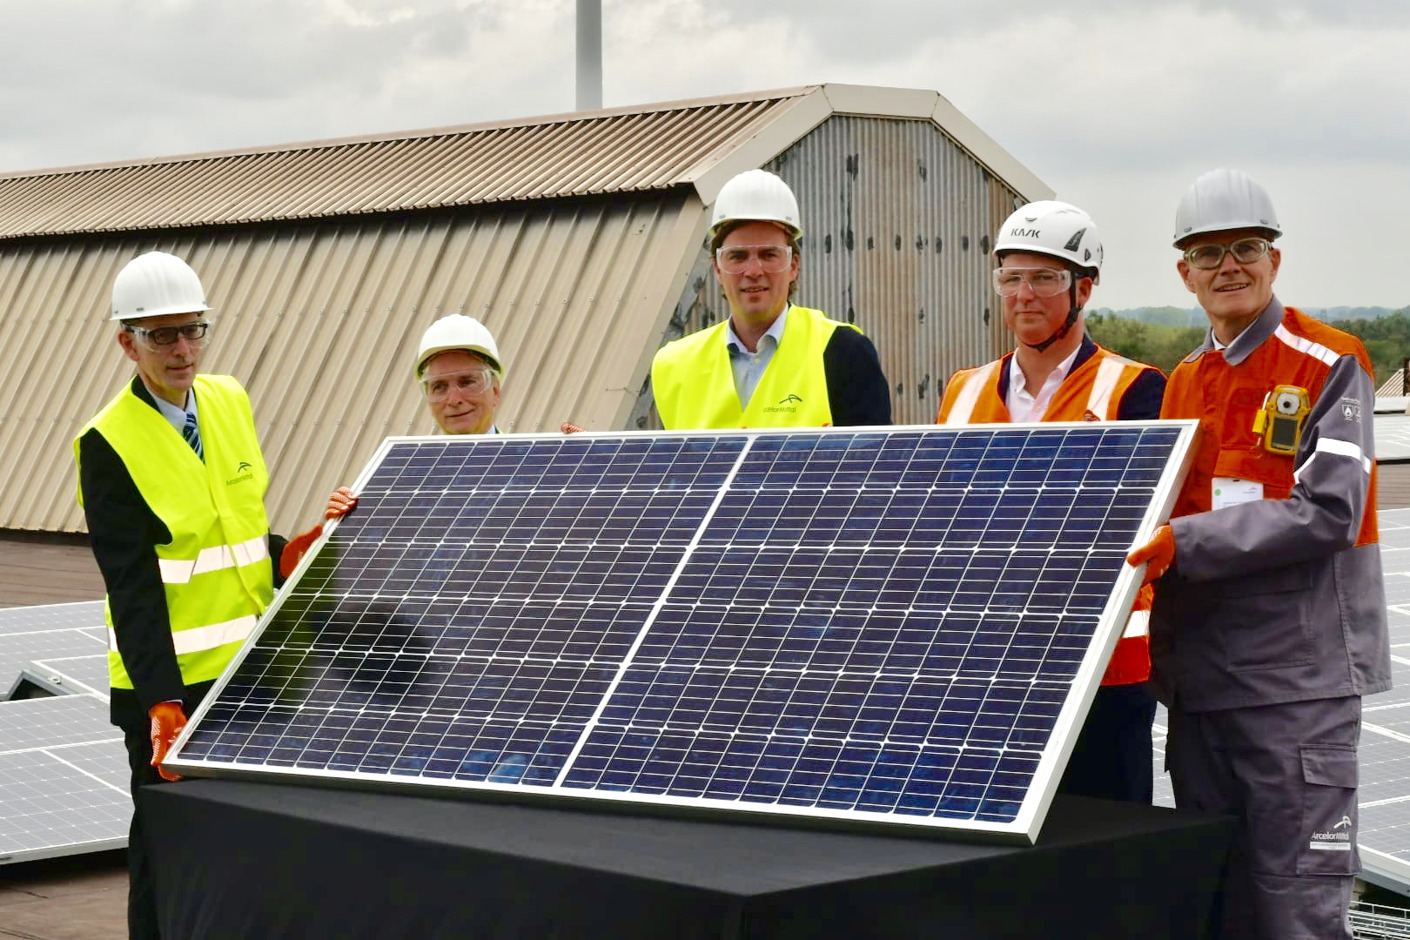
(172, 481)
(1269, 622)
(1050, 258)
(772, 363)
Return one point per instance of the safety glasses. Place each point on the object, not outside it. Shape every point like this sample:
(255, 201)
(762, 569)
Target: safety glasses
(473, 382)
(1045, 282)
(1245, 251)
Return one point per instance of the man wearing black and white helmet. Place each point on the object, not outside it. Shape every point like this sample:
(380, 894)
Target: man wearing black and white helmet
(1050, 257)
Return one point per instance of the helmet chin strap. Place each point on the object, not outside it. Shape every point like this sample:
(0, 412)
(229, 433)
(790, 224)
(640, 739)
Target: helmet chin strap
(1066, 328)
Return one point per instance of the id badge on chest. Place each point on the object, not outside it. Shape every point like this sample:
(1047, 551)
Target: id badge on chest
(1228, 491)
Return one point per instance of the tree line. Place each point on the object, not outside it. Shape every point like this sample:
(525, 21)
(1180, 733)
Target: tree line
(1387, 339)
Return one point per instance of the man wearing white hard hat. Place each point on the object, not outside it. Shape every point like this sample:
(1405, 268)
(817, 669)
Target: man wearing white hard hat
(172, 482)
(772, 363)
(459, 370)
(1050, 257)
(1269, 622)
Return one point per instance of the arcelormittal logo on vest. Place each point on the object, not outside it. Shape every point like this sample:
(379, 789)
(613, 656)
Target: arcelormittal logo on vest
(789, 404)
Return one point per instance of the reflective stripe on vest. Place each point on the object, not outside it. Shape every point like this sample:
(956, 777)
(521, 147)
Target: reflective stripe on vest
(203, 639)
(216, 573)
(975, 381)
(180, 571)
(1091, 391)
(692, 379)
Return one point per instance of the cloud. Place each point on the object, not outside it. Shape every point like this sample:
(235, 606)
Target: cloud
(1116, 105)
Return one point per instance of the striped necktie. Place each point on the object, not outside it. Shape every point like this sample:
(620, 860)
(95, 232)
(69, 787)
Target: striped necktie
(192, 434)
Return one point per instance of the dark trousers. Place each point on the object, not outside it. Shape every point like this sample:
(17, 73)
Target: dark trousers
(137, 738)
(1289, 772)
(1113, 758)
(141, 902)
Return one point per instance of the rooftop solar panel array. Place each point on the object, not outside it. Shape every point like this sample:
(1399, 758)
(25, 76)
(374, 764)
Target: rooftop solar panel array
(63, 769)
(899, 626)
(1384, 823)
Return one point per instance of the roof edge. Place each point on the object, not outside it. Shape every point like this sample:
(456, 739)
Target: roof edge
(682, 104)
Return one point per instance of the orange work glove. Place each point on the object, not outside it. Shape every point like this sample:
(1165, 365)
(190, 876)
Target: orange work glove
(294, 550)
(340, 503)
(1157, 555)
(167, 721)
(569, 428)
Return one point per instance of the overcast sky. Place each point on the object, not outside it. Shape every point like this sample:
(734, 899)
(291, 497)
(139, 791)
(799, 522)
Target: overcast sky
(1117, 106)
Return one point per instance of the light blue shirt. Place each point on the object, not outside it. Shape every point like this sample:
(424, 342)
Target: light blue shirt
(749, 366)
(177, 416)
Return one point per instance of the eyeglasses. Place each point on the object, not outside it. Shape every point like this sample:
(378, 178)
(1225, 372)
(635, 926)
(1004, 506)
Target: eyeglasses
(772, 258)
(1045, 282)
(194, 333)
(1245, 251)
(474, 382)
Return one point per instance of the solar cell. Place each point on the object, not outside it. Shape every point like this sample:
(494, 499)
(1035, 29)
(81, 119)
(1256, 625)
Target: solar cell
(897, 626)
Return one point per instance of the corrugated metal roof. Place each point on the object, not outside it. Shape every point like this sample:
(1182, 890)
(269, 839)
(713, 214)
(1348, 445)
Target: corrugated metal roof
(320, 322)
(623, 150)
(573, 238)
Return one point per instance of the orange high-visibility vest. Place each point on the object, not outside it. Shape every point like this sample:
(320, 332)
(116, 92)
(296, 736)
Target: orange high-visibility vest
(1090, 392)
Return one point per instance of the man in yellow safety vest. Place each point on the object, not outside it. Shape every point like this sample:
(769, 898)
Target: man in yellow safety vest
(773, 363)
(172, 482)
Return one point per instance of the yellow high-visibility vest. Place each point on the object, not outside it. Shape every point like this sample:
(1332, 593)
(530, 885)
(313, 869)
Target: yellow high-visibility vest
(216, 569)
(693, 381)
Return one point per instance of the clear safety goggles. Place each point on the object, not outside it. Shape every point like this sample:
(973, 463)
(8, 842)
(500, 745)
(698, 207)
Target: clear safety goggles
(1045, 282)
(772, 258)
(194, 333)
(473, 382)
(1245, 251)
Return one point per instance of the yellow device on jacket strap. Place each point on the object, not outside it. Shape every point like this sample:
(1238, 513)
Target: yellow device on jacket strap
(1280, 419)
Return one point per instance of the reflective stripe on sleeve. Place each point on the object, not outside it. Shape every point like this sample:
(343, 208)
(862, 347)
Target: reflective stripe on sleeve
(200, 639)
(969, 394)
(1306, 346)
(181, 571)
(1329, 445)
(1138, 624)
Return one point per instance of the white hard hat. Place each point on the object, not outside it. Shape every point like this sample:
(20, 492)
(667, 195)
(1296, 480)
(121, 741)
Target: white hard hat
(156, 284)
(756, 195)
(1223, 200)
(1057, 229)
(458, 331)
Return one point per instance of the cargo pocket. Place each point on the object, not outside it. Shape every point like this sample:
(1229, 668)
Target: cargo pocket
(1328, 811)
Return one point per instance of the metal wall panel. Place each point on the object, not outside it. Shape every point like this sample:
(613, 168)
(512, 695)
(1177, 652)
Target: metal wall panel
(612, 152)
(320, 321)
(897, 221)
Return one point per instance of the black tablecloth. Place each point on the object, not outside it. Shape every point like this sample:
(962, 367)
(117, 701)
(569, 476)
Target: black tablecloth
(239, 859)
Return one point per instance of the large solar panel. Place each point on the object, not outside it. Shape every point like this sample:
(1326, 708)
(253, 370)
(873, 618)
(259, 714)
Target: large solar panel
(898, 626)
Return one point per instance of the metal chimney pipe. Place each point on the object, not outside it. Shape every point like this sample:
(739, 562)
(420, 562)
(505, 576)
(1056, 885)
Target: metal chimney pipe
(589, 55)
